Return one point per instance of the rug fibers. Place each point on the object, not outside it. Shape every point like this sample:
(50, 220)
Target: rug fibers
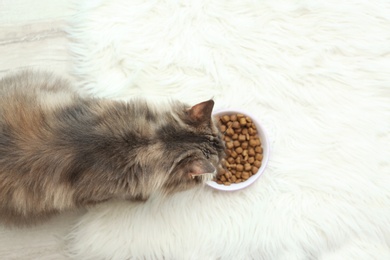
(316, 74)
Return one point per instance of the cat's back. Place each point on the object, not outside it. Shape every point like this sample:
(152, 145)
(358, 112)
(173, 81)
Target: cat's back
(30, 90)
(32, 83)
(26, 102)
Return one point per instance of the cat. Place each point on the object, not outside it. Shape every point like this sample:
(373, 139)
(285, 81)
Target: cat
(61, 151)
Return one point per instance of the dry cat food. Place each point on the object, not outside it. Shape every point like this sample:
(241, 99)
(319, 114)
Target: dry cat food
(244, 152)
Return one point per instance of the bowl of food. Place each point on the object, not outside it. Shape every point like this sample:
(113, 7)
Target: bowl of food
(247, 150)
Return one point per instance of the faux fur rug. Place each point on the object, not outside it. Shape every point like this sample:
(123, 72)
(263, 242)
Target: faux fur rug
(317, 75)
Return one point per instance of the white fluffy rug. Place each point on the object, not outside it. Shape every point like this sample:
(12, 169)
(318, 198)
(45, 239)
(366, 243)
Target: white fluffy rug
(316, 73)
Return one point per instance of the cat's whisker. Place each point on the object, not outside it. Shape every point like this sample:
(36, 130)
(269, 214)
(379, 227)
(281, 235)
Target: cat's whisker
(208, 176)
(204, 176)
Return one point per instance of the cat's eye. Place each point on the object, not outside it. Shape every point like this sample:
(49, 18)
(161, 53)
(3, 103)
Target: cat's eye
(215, 142)
(207, 153)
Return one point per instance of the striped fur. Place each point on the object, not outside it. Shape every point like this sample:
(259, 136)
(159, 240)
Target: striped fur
(60, 151)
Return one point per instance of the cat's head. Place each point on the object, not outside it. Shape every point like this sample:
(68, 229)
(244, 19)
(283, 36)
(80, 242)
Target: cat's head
(193, 146)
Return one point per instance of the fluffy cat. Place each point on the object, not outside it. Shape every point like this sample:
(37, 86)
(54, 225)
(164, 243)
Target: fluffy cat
(60, 151)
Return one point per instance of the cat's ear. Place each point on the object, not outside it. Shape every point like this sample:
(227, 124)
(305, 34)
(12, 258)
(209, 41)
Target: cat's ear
(201, 167)
(201, 113)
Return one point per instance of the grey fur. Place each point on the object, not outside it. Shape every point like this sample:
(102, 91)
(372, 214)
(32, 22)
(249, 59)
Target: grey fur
(60, 151)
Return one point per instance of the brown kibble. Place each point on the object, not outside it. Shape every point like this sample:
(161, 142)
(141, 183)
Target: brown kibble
(227, 164)
(239, 157)
(252, 143)
(225, 118)
(230, 131)
(236, 125)
(242, 121)
(239, 167)
(252, 131)
(257, 164)
(228, 174)
(241, 137)
(254, 170)
(243, 149)
(230, 160)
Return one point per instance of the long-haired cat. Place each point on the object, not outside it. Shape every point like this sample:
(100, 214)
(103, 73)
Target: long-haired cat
(60, 151)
